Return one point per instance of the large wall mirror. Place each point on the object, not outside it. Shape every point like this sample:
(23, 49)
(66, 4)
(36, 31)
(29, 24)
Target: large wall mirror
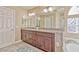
(48, 22)
(31, 21)
(24, 20)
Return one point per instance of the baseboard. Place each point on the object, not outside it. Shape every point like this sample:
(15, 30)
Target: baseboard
(18, 41)
(5, 45)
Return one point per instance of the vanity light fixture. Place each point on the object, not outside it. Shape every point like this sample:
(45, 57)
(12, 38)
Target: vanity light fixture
(48, 9)
(31, 14)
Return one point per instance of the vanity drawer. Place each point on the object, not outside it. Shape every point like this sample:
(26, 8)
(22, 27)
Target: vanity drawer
(44, 34)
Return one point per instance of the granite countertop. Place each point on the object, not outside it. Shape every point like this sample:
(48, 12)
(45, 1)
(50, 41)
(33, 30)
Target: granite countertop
(53, 30)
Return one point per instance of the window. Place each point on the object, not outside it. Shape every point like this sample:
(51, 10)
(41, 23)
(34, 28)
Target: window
(73, 25)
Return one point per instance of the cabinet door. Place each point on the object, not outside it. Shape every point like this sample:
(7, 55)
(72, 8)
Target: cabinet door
(47, 44)
(34, 38)
(40, 42)
(29, 37)
(23, 35)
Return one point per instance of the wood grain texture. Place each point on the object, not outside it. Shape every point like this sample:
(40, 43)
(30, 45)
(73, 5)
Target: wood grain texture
(41, 40)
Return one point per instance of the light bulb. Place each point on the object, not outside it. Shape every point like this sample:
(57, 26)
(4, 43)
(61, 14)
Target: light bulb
(50, 9)
(45, 10)
(33, 14)
(29, 14)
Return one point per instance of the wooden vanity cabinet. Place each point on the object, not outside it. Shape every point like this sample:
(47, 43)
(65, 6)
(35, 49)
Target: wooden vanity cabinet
(42, 40)
(25, 36)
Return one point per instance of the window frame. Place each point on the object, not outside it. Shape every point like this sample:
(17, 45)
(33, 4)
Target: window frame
(77, 24)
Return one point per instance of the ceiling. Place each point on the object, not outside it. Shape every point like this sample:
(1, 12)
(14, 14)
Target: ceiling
(27, 7)
(39, 9)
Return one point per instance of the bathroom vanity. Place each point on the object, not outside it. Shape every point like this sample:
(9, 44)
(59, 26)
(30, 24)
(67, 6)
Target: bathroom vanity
(46, 40)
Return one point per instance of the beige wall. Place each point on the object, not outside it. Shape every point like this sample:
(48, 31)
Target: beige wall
(19, 13)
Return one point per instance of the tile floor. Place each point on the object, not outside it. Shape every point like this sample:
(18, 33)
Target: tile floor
(20, 47)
